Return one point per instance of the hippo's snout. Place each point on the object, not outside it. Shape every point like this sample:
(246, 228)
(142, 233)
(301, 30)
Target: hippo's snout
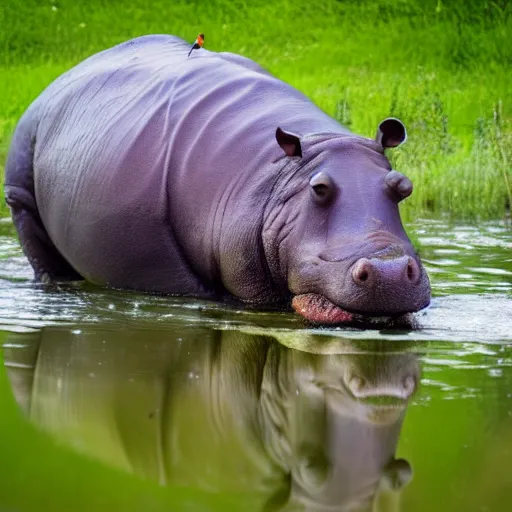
(401, 389)
(388, 282)
(388, 285)
(367, 272)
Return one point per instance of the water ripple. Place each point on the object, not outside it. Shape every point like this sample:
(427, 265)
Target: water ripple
(470, 269)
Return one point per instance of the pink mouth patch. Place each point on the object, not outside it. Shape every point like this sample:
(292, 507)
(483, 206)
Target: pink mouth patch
(318, 309)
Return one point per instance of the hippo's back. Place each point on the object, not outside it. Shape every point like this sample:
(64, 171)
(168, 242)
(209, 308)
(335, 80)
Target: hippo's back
(99, 157)
(135, 148)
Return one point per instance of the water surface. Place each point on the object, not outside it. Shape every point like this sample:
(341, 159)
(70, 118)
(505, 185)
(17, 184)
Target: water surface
(138, 402)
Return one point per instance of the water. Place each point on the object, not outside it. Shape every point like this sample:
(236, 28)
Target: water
(138, 402)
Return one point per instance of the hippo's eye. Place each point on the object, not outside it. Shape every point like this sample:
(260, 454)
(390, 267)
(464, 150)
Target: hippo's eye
(401, 185)
(322, 187)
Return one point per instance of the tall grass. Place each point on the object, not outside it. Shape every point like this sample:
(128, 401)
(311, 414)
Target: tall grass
(443, 67)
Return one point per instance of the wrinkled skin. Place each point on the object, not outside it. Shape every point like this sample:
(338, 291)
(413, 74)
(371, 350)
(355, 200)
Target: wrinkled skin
(315, 426)
(142, 168)
(353, 250)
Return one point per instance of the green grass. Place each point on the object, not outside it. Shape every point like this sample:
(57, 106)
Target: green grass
(443, 67)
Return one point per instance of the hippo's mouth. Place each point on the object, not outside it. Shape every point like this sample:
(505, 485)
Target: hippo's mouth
(320, 310)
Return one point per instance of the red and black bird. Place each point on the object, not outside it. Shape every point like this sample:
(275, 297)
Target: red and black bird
(198, 43)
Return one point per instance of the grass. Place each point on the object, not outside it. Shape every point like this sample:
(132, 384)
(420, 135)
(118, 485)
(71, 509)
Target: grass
(443, 67)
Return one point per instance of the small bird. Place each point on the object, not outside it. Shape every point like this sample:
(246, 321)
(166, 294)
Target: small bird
(198, 43)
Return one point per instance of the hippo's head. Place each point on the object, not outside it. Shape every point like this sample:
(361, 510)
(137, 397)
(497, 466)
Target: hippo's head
(338, 240)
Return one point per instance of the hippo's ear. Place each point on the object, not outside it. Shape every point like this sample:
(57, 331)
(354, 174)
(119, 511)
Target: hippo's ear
(289, 142)
(391, 133)
(397, 474)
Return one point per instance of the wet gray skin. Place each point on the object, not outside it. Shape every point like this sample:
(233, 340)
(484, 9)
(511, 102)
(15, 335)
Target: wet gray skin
(315, 429)
(346, 241)
(204, 176)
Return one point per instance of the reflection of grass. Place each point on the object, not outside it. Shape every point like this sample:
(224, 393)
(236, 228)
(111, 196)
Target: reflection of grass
(442, 66)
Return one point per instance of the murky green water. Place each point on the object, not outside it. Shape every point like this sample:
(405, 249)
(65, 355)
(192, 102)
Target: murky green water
(143, 403)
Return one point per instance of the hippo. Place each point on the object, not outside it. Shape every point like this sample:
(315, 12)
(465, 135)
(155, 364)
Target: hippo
(146, 169)
(312, 428)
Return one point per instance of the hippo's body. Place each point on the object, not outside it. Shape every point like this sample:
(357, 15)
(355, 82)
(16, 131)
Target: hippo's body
(144, 169)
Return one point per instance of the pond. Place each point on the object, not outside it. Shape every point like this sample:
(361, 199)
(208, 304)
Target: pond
(123, 401)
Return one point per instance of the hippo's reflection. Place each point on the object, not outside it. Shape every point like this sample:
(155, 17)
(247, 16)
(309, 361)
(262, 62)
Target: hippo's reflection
(224, 410)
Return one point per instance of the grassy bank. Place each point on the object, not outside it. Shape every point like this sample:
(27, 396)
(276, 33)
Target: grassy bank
(443, 67)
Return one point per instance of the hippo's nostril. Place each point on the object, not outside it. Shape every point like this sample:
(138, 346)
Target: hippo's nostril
(413, 271)
(408, 385)
(361, 272)
(356, 385)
